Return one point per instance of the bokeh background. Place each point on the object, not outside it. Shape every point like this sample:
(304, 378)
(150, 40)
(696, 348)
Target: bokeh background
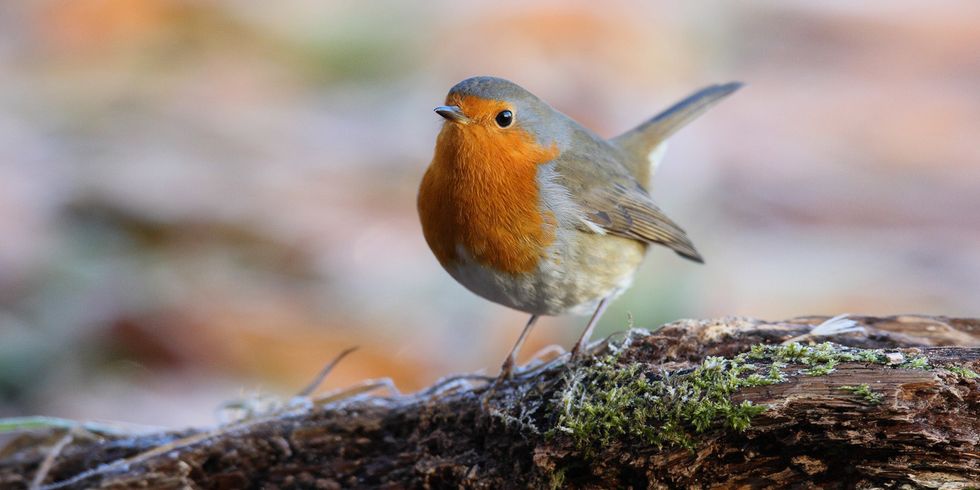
(205, 200)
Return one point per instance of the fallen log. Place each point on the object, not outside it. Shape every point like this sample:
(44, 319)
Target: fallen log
(695, 404)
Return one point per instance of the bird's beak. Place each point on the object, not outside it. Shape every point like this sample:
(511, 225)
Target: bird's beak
(452, 113)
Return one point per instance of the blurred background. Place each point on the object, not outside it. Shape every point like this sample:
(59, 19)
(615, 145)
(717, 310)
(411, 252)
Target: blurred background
(205, 200)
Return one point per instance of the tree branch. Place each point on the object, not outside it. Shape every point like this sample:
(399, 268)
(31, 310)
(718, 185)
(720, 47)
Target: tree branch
(696, 403)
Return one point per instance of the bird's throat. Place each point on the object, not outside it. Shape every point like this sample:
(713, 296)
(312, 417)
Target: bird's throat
(481, 194)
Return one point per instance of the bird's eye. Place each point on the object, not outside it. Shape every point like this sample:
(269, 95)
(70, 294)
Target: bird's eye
(504, 118)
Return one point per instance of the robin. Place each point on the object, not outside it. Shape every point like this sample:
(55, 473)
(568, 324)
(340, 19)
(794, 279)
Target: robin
(529, 209)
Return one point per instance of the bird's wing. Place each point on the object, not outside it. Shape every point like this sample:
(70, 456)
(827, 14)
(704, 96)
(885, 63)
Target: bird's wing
(613, 202)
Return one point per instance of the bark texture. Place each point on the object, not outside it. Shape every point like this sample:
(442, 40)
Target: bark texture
(907, 416)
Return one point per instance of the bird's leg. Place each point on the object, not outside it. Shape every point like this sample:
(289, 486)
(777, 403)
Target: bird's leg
(508, 366)
(584, 339)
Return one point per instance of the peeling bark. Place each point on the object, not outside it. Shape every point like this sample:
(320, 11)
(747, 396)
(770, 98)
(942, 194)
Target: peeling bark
(864, 425)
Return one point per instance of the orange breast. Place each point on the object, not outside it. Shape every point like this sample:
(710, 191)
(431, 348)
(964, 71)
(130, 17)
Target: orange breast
(481, 192)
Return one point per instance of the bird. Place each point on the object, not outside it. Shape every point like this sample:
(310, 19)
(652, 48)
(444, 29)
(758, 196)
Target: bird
(527, 208)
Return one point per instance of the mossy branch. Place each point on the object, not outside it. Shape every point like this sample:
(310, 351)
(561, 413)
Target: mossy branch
(718, 402)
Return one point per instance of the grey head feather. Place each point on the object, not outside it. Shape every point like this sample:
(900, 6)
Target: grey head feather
(492, 88)
(534, 115)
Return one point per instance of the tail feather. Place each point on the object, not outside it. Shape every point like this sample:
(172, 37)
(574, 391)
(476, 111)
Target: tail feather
(643, 140)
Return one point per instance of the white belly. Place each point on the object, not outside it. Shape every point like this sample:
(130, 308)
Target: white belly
(577, 274)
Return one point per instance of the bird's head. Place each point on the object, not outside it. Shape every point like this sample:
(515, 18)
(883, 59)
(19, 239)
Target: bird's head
(487, 115)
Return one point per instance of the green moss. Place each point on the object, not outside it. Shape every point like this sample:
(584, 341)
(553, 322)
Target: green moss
(963, 372)
(864, 391)
(872, 356)
(557, 479)
(607, 402)
(820, 359)
(822, 369)
(917, 362)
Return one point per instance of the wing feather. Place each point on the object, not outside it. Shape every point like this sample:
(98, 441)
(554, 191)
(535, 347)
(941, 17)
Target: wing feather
(614, 201)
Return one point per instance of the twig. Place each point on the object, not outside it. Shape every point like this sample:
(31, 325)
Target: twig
(18, 424)
(362, 387)
(48, 463)
(318, 380)
(144, 456)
